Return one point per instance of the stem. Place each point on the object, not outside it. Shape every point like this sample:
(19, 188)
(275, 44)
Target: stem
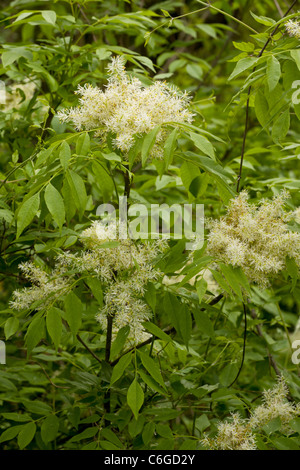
(108, 337)
(88, 349)
(107, 356)
(127, 185)
(244, 347)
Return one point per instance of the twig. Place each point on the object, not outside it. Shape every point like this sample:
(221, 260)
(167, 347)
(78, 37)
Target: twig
(52, 383)
(88, 349)
(244, 347)
(278, 8)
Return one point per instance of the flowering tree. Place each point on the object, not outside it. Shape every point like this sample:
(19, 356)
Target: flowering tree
(120, 330)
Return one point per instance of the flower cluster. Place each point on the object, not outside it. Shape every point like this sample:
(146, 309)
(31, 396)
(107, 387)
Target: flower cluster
(46, 287)
(131, 268)
(293, 28)
(232, 435)
(124, 267)
(275, 405)
(256, 238)
(126, 109)
(238, 434)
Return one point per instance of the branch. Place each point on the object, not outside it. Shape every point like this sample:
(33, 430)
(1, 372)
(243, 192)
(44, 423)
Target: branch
(88, 349)
(244, 346)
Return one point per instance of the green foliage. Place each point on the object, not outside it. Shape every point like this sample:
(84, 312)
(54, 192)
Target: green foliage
(66, 384)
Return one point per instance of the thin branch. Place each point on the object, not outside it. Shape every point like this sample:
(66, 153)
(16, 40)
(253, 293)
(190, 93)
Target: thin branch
(278, 8)
(52, 383)
(244, 347)
(88, 349)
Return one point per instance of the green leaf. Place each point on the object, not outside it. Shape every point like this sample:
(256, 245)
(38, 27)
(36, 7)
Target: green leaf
(10, 433)
(49, 16)
(201, 287)
(273, 72)
(221, 281)
(148, 143)
(281, 126)
(244, 46)
(164, 430)
(263, 19)
(135, 397)
(185, 323)
(232, 279)
(153, 369)
(272, 426)
(243, 65)
(156, 331)
(120, 367)
(55, 204)
(120, 341)
(148, 380)
(49, 428)
(77, 190)
(35, 332)
(202, 423)
(285, 443)
(37, 407)
(86, 434)
(64, 154)
(228, 374)
(83, 144)
(26, 434)
(203, 322)
(10, 327)
(54, 325)
(26, 213)
(295, 54)
(10, 56)
(96, 288)
(111, 437)
(73, 309)
(261, 108)
(169, 147)
(203, 144)
(148, 432)
(195, 71)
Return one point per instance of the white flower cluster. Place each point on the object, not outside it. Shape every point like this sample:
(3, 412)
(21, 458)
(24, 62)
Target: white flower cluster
(45, 289)
(130, 265)
(232, 435)
(275, 405)
(256, 238)
(123, 266)
(293, 28)
(238, 434)
(127, 109)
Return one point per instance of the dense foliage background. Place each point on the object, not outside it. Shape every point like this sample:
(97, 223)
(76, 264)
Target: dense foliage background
(216, 344)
